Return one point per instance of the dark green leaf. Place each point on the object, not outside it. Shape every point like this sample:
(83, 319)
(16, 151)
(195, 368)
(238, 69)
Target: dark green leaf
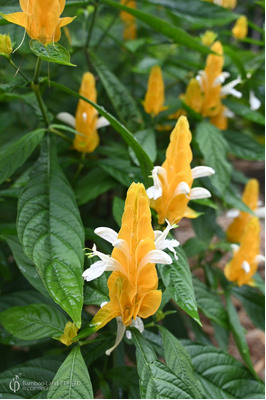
(52, 52)
(118, 209)
(146, 139)
(214, 149)
(35, 321)
(13, 156)
(118, 94)
(210, 303)
(51, 232)
(96, 291)
(234, 200)
(75, 377)
(221, 375)
(121, 170)
(177, 278)
(194, 246)
(244, 146)
(244, 111)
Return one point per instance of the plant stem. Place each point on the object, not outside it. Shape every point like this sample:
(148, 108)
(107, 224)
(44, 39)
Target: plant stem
(37, 70)
(58, 133)
(87, 45)
(18, 70)
(80, 166)
(36, 89)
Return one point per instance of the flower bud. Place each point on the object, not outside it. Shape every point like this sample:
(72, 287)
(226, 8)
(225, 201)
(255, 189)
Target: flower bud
(5, 44)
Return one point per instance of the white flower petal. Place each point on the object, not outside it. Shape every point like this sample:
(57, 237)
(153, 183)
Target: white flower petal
(155, 257)
(246, 267)
(260, 258)
(199, 193)
(260, 212)
(95, 270)
(221, 78)
(128, 335)
(182, 188)
(123, 246)
(161, 171)
(254, 102)
(170, 244)
(107, 234)
(229, 88)
(102, 122)
(67, 118)
(119, 335)
(138, 324)
(233, 213)
(228, 113)
(235, 247)
(154, 193)
(200, 172)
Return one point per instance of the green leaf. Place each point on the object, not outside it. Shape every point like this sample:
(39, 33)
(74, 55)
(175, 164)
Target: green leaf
(35, 321)
(26, 267)
(121, 170)
(96, 291)
(238, 333)
(75, 377)
(178, 360)
(214, 149)
(157, 381)
(171, 31)
(118, 209)
(118, 94)
(51, 231)
(194, 246)
(13, 156)
(92, 185)
(210, 303)
(146, 139)
(253, 302)
(244, 111)
(143, 158)
(52, 52)
(177, 278)
(222, 376)
(244, 146)
(232, 199)
(30, 379)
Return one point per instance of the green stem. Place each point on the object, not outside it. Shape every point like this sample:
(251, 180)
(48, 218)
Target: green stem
(36, 89)
(18, 70)
(87, 45)
(58, 133)
(80, 166)
(37, 70)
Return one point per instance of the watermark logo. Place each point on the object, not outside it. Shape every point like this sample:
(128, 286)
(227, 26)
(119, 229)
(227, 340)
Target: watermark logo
(14, 384)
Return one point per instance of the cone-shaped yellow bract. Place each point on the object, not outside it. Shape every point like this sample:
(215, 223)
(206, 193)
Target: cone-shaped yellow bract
(171, 205)
(86, 117)
(70, 332)
(244, 263)
(5, 44)
(193, 96)
(154, 98)
(130, 29)
(41, 19)
(224, 3)
(133, 287)
(240, 29)
(208, 38)
(250, 198)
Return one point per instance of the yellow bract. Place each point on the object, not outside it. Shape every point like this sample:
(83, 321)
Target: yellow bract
(250, 198)
(41, 19)
(240, 30)
(171, 205)
(86, 117)
(154, 98)
(5, 44)
(193, 96)
(208, 38)
(224, 3)
(133, 288)
(130, 30)
(244, 263)
(70, 332)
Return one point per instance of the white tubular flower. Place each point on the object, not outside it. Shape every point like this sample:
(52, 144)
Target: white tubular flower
(201, 172)
(221, 78)
(121, 328)
(162, 243)
(199, 193)
(228, 113)
(246, 267)
(107, 234)
(260, 258)
(233, 213)
(260, 212)
(70, 120)
(155, 191)
(182, 188)
(254, 102)
(200, 77)
(138, 324)
(229, 88)
(235, 248)
(155, 257)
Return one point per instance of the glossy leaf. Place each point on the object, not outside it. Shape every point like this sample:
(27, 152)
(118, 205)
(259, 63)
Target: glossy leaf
(118, 94)
(52, 52)
(118, 209)
(177, 278)
(51, 232)
(244, 146)
(244, 111)
(146, 139)
(35, 321)
(13, 156)
(75, 377)
(214, 149)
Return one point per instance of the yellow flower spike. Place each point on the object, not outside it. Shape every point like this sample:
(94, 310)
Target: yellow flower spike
(244, 263)
(220, 120)
(224, 3)
(70, 332)
(154, 98)
(240, 29)
(208, 38)
(173, 180)
(41, 19)
(130, 29)
(133, 284)
(86, 117)
(210, 82)
(5, 45)
(250, 198)
(193, 96)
